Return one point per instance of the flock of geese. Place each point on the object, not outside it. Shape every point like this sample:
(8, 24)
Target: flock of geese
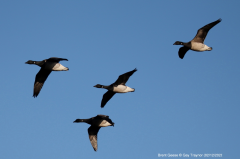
(52, 64)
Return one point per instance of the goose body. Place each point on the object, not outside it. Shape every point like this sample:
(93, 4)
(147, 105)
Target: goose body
(96, 123)
(117, 87)
(54, 66)
(197, 43)
(195, 46)
(47, 66)
(122, 89)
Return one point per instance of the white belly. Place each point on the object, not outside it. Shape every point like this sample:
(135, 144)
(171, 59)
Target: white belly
(105, 123)
(122, 89)
(199, 47)
(54, 66)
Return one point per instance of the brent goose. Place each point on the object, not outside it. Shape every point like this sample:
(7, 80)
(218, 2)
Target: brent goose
(47, 66)
(197, 43)
(117, 87)
(96, 123)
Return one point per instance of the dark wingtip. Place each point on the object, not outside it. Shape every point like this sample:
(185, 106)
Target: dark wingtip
(134, 70)
(62, 59)
(220, 19)
(102, 105)
(180, 56)
(35, 95)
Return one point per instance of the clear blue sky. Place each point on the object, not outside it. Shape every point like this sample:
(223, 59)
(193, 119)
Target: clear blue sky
(179, 106)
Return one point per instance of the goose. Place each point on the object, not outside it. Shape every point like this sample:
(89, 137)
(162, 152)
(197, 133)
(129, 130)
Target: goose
(96, 123)
(197, 43)
(47, 66)
(117, 87)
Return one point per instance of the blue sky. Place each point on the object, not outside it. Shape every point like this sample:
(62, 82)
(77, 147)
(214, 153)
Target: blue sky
(179, 106)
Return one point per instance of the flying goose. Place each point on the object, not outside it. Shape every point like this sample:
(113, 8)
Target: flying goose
(96, 123)
(47, 66)
(197, 43)
(117, 87)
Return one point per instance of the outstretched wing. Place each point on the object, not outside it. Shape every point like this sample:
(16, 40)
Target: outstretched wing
(182, 51)
(106, 97)
(122, 79)
(100, 116)
(92, 132)
(40, 78)
(56, 59)
(202, 32)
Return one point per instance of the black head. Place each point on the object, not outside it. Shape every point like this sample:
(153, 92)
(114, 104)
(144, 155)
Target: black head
(98, 86)
(78, 121)
(30, 62)
(89, 121)
(178, 43)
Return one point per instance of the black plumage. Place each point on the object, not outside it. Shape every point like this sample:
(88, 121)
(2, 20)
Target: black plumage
(122, 80)
(96, 123)
(44, 72)
(197, 43)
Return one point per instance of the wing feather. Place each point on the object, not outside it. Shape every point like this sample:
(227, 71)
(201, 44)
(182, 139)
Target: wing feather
(202, 32)
(122, 79)
(106, 97)
(92, 132)
(40, 78)
(56, 59)
(182, 51)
